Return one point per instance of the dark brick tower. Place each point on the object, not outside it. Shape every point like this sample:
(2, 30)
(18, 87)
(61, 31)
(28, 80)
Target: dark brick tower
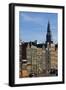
(48, 35)
(48, 45)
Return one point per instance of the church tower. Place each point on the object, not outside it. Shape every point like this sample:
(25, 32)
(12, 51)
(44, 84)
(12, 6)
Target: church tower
(48, 45)
(48, 35)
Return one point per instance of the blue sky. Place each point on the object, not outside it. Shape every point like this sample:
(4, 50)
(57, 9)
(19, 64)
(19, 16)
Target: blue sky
(33, 26)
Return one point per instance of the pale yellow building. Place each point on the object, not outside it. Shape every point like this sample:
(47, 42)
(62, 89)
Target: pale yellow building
(54, 57)
(41, 59)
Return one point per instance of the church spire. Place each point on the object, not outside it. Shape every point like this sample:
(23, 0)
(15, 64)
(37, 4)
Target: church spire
(48, 27)
(48, 35)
